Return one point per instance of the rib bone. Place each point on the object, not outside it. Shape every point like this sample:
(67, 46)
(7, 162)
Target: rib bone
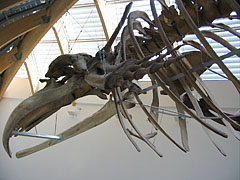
(99, 117)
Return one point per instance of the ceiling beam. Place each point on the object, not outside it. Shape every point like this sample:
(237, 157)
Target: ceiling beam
(61, 37)
(6, 4)
(8, 59)
(20, 27)
(29, 78)
(55, 11)
(101, 9)
(58, 40)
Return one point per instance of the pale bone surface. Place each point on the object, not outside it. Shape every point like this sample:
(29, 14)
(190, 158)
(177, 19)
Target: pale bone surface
(114, 75)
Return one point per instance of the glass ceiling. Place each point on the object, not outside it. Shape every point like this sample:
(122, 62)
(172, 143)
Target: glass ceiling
(82, 29)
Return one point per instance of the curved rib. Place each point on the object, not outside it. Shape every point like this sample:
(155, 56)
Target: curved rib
(125, 36)
(219, 40)
(195, 29)
(155, 123)
(133, 125)
(200, 114)
(197, 46)
(159, 25)
(182, 122)
(155, 100)
(227, 120)
(131, 18)
(227, 28)
(107, 47)
(117, 106)
(175, 99)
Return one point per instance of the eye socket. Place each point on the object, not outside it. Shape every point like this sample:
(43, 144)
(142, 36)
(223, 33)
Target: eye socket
(100, 71)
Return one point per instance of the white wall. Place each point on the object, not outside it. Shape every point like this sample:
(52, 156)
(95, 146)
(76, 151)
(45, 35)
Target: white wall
(105, 152)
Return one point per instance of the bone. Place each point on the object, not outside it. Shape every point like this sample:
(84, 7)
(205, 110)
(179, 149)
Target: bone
(226, 28)
(36, 108)
(138, 50)
(79, 62)
(182, 122)
(107, 47)
(195, 29)
(209, 112)
(175, 99)
(227, 121)
(176, 27)
(156, 125)
(213, 105)
(60, 61)
(183, 128)
(158, 23)
(61, 66)
(95, 80)
(155, 100)
(99, 117)
(220, 40)
(140, 73)
(120, 118)
(197, 46)
(235, 6)
(200, 114)
(128, 75)
(98, 93)
(131, 19)
(126, 114)
(177, 89)
(126, 35)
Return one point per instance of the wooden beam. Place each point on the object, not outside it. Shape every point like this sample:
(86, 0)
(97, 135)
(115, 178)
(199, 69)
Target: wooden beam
(29, 78)
(20, 27)
(6, 4)
(55, 11)
(58, 40)
(7, 60)
(61, 34)
(100, 9)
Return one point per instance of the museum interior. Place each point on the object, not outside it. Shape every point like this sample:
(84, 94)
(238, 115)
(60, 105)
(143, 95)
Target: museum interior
(119, 89)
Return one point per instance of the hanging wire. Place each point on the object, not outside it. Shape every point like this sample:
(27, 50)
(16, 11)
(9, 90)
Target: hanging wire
(36, 131)
(95, 29)
(103, 60)
(177, 114)
(217, 73)
(36, 68)
(65, 31)
(55, 126)
(162, 111)
(82, 27)
(46, 58)
(70, 21)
